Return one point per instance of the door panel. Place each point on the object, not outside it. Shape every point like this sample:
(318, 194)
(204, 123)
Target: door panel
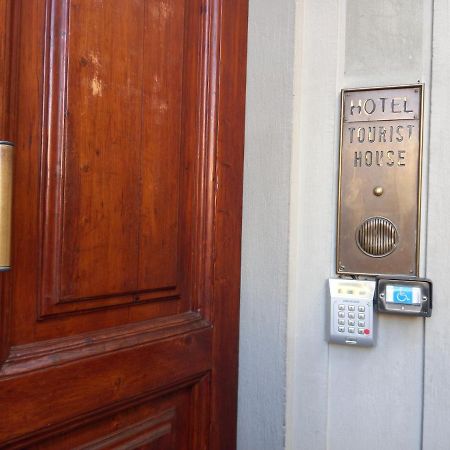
(121, 312)
(79, 385)
(112, 195)
(114, 210)
(147, 423)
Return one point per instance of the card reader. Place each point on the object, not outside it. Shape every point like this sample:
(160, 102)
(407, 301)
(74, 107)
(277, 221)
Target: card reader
(407, 296)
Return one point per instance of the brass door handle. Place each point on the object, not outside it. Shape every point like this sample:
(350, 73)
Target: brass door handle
(6, 187)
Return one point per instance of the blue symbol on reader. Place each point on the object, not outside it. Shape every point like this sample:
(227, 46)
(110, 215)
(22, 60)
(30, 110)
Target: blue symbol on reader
(403, 295)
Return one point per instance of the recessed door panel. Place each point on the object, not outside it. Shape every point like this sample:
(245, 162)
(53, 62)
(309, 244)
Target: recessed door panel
(112, 143)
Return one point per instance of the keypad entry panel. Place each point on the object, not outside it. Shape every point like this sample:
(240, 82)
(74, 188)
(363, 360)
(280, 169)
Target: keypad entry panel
(352, 319)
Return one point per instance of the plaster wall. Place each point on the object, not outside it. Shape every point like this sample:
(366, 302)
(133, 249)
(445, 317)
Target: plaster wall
(297, 391)
(370, 397)
(264, 287)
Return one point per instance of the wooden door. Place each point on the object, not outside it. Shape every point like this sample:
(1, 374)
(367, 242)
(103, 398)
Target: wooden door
(119, 319)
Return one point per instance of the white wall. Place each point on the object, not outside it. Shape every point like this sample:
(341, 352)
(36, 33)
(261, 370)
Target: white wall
(340, 397)
(266, 220)
(436, 429)
(396, 395)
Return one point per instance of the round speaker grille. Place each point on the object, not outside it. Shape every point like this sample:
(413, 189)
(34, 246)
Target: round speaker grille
(377, 237)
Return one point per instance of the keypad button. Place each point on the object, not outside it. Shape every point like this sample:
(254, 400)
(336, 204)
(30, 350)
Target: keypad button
(341, 307)
(361, 323)
(341, 322)
(360, 330)
(351, 329)
(351, 323)
(361, 308)
(361, 316)
(351, 307)
(351, 315)
(341, 314)
(341, 329)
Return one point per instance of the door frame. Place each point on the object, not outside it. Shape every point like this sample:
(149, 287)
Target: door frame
(231, 18)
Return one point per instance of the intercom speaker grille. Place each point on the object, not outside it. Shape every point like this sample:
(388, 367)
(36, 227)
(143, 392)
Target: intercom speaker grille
(377, 237)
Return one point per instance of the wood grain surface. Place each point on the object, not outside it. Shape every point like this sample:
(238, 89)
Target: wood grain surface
(119, 320)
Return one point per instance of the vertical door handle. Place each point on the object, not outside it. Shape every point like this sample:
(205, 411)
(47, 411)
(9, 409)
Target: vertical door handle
(6, 188)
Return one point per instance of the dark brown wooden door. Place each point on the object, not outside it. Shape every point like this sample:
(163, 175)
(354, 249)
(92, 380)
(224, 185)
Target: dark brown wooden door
(119, 318)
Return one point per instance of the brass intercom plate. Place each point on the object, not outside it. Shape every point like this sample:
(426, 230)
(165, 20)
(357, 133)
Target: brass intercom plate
(380, 181)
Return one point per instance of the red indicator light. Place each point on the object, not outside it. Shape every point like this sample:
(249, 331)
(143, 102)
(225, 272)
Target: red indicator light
(366, 331)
